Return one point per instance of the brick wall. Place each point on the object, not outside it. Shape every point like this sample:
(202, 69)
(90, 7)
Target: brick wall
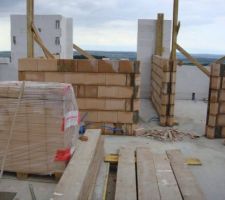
(163, 80)
(107, 91)
(215, 127)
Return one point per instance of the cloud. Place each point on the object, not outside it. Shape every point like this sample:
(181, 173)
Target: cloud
(113, 23)
(113, 35)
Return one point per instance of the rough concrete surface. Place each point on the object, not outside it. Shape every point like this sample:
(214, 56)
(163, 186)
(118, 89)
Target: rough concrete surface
(191, 116)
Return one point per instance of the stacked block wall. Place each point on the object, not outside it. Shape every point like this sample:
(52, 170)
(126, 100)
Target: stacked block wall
(106, 91)
(215, 127)
(163, 82)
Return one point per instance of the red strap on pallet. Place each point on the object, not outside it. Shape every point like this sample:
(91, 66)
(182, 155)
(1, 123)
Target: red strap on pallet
(63, 155)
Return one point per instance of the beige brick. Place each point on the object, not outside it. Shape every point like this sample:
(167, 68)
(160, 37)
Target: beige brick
(116, 79)
(215, 69)
(115, 92)
(85, 65)
(108, 66)
(115, 104)
(213, 108)
(28, 64)
(54, 77)
(107, 116)
(34, 76)
(210, 132)
(212, 120)
(221, 120)
(47, 65)
(215, 83)
(125, 117)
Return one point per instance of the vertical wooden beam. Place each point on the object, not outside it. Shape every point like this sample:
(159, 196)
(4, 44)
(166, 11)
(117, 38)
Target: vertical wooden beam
(175, 30)
(30, 19)
(173, 63)
(159, 35)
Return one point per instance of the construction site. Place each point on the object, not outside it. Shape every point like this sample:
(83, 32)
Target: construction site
(101, 129)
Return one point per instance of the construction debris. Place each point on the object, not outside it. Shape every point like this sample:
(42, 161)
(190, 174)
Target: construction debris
(165, 135)
(193, 161)
(83, 138)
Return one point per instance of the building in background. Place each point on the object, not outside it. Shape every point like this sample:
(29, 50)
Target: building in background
(7, 71)
(55, 30)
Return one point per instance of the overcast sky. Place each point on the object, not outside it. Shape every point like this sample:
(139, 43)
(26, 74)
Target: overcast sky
(112, 24)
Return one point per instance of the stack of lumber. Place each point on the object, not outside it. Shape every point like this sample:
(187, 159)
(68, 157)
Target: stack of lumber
(31, 144)
(79, 178)
(215, 127)
(163, 80)
(155, 176)
(107, 91)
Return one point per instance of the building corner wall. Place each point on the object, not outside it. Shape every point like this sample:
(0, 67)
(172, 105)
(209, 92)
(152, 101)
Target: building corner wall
(146, 47)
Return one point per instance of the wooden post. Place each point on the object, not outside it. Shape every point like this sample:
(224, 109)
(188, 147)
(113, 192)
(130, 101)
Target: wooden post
(30, 19)
(173, 63)
(159, 35)
(175, 30)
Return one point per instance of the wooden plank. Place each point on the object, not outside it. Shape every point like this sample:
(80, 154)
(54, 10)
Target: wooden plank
(175, 30)
(80, 175)
(101, 182)
(193, 60)
(126, 177)
(84, 53)
(146, 175)
(167, 183)
(186, 180)
(159, 35)
(30, 18)
(220, 61)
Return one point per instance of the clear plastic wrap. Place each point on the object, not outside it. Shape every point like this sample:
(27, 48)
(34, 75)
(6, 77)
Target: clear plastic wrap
(46, 126)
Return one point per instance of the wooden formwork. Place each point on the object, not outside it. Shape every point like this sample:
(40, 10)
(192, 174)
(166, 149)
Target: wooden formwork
(163, 82)
(107, 91)
(215, 127)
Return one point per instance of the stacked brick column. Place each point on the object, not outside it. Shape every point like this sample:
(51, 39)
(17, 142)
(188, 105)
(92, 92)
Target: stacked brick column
(163, 80)
(215, 127)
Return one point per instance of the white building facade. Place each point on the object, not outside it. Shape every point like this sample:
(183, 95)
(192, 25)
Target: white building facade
(56, 32)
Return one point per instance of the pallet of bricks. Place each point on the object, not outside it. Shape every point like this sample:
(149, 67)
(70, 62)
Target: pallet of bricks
(215, 127)
(163, 80)
(107, 91)
(37, 135)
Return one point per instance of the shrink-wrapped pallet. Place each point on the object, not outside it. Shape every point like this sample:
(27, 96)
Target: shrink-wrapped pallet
(46, 126)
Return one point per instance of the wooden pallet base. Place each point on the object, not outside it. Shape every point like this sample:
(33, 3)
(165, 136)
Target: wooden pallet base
(25, 176)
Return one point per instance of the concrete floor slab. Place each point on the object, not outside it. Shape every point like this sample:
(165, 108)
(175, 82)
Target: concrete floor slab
(191, 116)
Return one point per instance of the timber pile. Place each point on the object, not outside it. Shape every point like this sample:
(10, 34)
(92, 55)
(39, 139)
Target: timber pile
(215, 127)
(37, 135)
(170, 134)
(107, 91)
(163, 80)
(79, 178)
(155, 176)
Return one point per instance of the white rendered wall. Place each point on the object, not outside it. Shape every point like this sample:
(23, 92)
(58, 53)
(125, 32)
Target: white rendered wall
(7, 71)
(191, 80)
(146, 48)
(48, 33)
